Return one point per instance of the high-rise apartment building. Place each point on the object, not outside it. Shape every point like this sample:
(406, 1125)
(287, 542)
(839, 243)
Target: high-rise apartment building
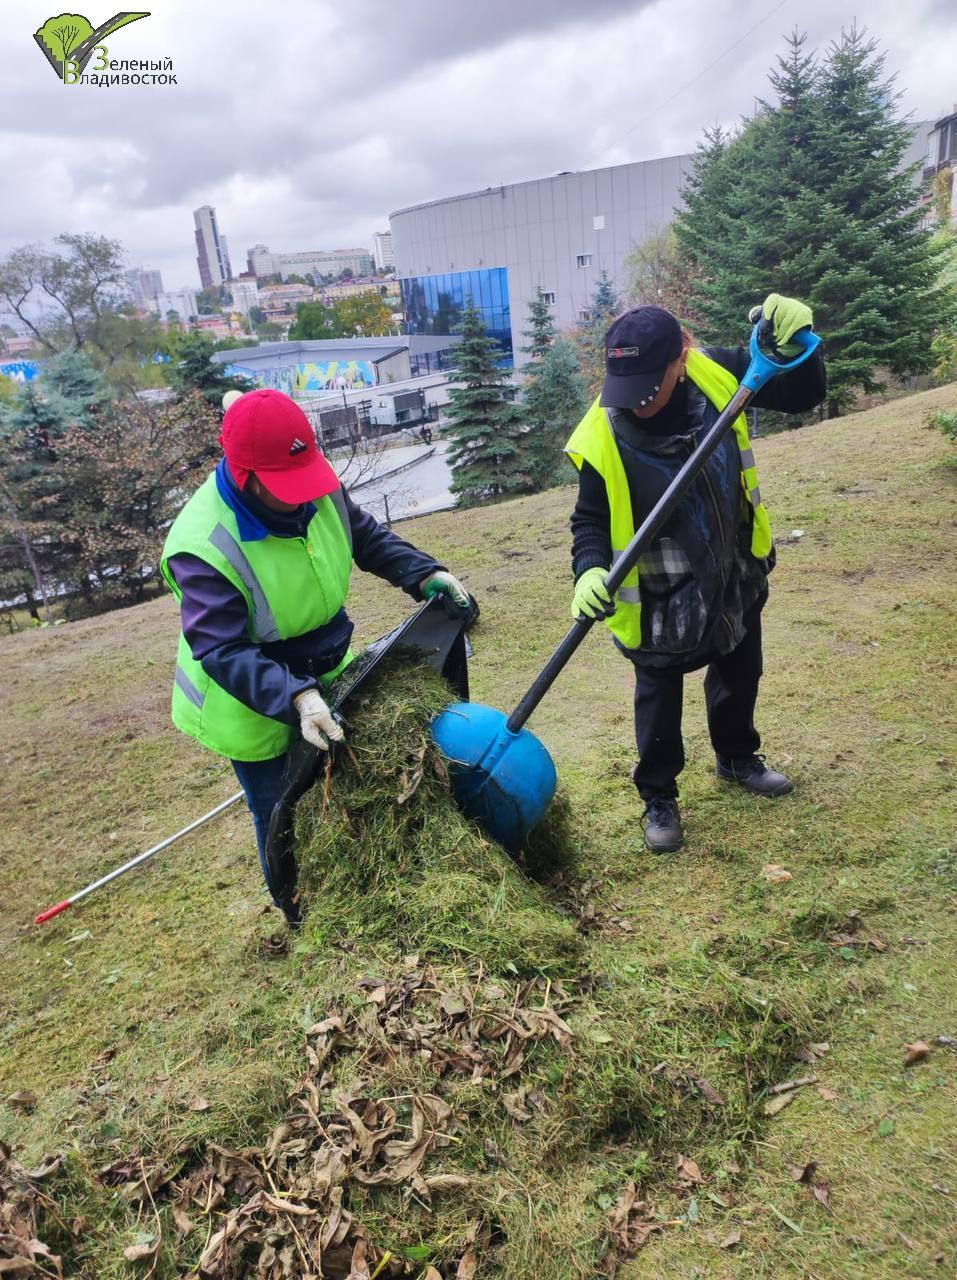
(382, 250)
(212, 255)
(145, 287)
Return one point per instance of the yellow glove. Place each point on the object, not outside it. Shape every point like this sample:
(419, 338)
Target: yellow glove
(787, 315)
(591, 599)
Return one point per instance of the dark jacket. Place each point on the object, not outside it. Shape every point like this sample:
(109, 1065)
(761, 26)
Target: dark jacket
(216, 621)
(698, 578)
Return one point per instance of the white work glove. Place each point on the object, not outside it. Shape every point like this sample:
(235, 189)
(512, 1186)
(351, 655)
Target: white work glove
(441, 583)
(316, 722)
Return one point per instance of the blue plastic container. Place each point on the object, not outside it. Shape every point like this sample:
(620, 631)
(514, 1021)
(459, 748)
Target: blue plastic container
(504, 781)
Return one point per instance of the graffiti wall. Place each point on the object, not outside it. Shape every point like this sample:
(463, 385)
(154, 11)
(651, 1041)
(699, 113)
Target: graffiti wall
(325, 377)
(20, 370)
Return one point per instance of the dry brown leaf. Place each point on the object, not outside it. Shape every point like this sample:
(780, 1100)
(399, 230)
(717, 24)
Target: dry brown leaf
(430, 1273)
(919, 1051)
(452, 1005)
(512, 1102)
(631, 1224)
(359, 1270)
(468, 1265)
(447, 1182)
(803, 1172)
(774, 1106)
(410, 779)
(22, 1100)
(689, 1175)
(827, 1094)
(730, 1240)
(140, 1252)
(183, 1221)
(775, 874)
(708, 1090)
(198, 1104)
(822, 1193)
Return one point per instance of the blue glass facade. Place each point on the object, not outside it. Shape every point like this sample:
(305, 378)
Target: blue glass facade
(434, 304)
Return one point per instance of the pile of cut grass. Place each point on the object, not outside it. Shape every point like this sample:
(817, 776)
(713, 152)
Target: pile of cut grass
(386, 858)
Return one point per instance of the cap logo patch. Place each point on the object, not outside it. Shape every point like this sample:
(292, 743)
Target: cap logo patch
(616, 353)
(298, 446)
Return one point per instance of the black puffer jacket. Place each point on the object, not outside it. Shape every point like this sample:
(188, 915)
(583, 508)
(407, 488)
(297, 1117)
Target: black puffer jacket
(699, 577)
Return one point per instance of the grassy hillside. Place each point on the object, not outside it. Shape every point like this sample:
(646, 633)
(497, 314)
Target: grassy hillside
(153, 1019)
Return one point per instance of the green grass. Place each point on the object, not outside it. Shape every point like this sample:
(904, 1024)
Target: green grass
(157, 992)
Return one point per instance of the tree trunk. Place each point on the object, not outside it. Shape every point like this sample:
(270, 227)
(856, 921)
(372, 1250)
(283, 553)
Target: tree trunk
(833, 409)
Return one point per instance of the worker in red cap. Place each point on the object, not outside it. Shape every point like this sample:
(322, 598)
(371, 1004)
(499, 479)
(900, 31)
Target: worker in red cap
(259, 560)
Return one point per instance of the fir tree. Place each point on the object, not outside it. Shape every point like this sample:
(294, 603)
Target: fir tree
(809, 200)
(485, 427)
(555, 401)
(541, 329)
(193, 369)
(590, 338)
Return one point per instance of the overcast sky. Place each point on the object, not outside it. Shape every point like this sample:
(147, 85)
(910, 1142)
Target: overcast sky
(307, 123)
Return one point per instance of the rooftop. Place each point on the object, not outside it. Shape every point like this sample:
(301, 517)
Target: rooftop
(341, 348)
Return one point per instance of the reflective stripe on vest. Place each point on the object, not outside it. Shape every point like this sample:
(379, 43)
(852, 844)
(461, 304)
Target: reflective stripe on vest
(339, 502)
(183, 682)
(630, 595)
(263, 619)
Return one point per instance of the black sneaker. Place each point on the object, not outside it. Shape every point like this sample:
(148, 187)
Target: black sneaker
(754, 775)
(663, 832)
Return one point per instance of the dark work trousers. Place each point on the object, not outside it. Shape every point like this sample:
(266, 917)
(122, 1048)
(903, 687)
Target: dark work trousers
(262, 782)
(730, 690)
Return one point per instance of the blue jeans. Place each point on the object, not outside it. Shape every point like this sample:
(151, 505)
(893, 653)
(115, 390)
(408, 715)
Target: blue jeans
(262, 782)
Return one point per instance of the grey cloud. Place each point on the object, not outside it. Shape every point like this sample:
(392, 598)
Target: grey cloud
(307, 124)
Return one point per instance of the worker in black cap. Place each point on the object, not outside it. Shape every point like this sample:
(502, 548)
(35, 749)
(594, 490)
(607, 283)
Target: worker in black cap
(696, 597)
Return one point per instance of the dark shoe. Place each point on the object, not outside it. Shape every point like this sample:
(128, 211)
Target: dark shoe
(663, 832)
(754, 775)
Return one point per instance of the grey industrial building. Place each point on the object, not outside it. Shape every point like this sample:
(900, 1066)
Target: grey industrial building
(500, 246)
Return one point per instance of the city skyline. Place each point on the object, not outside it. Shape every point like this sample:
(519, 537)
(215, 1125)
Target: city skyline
(427, 103)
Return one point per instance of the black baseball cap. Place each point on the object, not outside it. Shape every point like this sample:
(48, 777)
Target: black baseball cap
(639, 346)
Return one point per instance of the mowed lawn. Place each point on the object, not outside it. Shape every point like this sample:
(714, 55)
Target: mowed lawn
(155, 992)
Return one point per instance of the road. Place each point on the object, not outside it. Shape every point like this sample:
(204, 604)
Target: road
(422, 487)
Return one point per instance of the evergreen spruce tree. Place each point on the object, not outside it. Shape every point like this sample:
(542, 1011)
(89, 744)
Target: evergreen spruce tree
(193, 369)
(487, 450)
(541, 329)
(555, 401)
(590, 337)
(809, 200)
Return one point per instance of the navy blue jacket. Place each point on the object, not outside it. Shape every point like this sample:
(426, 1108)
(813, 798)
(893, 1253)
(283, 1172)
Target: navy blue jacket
(216, 621)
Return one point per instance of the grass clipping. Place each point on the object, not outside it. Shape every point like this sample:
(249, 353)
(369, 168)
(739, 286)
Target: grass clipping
(385, 856)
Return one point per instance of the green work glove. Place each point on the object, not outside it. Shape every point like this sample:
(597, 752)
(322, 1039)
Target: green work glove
(787, 315)
(444, 584)
(591, 600)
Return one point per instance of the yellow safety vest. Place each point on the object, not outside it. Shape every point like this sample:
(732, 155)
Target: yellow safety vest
(593, 441)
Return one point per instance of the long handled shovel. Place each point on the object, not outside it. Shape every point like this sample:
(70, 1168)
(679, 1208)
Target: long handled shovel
(502, 775)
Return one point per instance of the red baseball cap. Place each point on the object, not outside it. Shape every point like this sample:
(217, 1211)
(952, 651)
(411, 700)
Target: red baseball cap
(266, 432)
